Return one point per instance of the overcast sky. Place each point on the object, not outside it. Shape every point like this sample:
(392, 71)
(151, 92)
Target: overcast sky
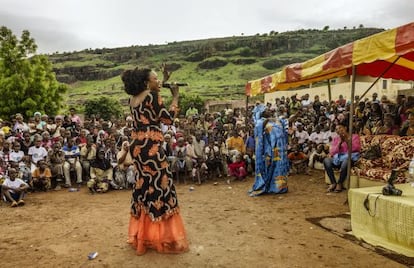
(69, 25)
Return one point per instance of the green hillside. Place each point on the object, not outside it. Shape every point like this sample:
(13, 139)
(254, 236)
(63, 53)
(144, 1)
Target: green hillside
(215, 68)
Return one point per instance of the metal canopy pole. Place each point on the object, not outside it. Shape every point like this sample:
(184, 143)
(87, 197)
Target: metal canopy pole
(246, 119)
(329, 90)
(378, 78)
(350, 122)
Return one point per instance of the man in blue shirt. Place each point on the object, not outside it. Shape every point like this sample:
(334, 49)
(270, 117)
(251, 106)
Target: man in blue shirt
(72, 162)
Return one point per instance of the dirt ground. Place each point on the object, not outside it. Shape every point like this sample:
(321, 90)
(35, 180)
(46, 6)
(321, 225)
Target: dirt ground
(225, 227)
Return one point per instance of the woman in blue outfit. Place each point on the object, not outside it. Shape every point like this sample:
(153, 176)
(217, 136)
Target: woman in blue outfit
(272, 164)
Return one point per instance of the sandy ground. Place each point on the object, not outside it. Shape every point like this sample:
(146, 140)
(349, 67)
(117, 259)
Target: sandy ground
(225, 227)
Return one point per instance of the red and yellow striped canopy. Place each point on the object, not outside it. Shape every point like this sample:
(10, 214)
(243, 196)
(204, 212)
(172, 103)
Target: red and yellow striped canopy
(372, 55)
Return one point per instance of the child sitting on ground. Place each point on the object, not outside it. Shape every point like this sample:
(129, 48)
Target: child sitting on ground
(298, 161)
(13, 188)
(41, 177)
(237, 169)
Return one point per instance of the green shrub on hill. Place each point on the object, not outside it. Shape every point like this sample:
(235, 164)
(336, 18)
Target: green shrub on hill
(104, 107)
(213, 63)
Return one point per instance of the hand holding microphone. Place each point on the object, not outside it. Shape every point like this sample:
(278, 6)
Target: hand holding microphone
(174, 87)
(169, 85)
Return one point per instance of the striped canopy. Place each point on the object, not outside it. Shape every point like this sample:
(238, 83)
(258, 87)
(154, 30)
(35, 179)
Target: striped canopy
(372, 55)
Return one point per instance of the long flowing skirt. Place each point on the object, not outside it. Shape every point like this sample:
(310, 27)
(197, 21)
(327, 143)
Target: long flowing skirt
(164, 236)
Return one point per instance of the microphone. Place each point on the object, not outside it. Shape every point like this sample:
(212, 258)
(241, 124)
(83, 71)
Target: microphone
(168, 85)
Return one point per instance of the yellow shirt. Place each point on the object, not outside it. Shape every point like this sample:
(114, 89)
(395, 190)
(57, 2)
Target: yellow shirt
(46, 173)
(6, 129)
(236, 143)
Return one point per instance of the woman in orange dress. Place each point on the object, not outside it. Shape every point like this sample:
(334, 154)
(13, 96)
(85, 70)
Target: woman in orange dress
(155, 220)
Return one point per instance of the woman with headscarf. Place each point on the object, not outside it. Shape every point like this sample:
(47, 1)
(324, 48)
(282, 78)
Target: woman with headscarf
(101, 173)
(100, 139)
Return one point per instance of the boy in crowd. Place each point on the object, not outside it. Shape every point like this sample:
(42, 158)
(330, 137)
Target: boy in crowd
(41, 177)
(299, 160)
(317, 156)
(14, 188)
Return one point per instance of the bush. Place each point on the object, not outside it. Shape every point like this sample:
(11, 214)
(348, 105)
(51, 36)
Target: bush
(272, 64)
(246, 52)
(243, 61)
(103, 106)
(194, 57)
(212, 63)
(173, 66)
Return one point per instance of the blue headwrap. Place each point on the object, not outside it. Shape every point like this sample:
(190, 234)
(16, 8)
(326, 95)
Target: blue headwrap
(257, 112)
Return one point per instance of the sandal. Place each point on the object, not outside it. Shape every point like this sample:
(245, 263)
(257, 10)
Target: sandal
(331, 188)
(20, 203)
(14, 204)
(338, 189)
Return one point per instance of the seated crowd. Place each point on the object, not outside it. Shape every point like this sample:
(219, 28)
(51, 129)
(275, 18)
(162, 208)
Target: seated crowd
(50, 152)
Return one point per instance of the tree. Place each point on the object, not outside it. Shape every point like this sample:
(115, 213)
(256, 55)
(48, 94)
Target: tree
(185, 101)
(104, 106)
(27, 81)
(326, 28)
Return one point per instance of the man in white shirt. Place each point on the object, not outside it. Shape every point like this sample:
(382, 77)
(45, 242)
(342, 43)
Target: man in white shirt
(305, 100)
(317, 136)
(330, 134)
(14, 188)
(302, 135)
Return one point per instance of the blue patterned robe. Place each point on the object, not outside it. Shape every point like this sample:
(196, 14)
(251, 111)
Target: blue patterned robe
(272, 164)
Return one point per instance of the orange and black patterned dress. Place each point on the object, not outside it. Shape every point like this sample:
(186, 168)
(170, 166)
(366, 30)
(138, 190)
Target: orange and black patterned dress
(155, 220)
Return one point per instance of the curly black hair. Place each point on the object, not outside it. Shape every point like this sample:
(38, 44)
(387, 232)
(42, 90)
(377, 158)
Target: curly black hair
(135, 81)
